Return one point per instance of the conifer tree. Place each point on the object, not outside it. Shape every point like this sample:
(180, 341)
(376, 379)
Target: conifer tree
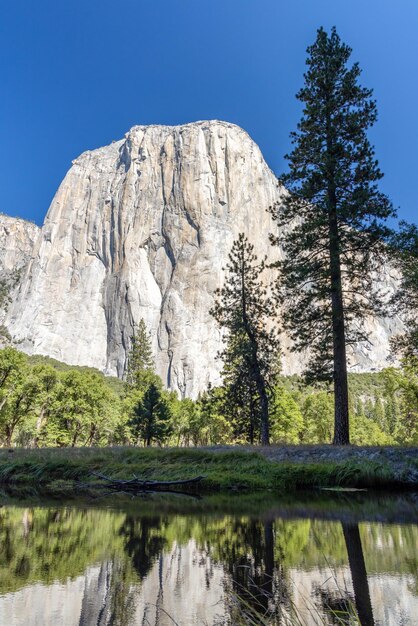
(140, 362)
(332, 220)
(243, 309)
(151, 416)
(404, 246)
(240, 398)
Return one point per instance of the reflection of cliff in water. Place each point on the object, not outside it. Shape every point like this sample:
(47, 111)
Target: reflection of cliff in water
(123, 569)
(107, 597)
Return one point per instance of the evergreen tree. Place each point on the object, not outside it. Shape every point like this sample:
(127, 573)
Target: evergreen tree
(403, 383)
(140, 362)
(392, 408)
(379, 413)
(243, 309)
(151, 416)
(218, 429)
(240, 399)
(369, 409)
(404, 246)
(359, 407)
(332, 219)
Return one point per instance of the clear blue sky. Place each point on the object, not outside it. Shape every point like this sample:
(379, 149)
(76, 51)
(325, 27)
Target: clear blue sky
(76, 74)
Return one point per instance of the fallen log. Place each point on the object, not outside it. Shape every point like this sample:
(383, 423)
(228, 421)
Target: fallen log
(137, 484)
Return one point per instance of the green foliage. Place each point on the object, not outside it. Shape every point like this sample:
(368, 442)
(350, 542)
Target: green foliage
(16, 392)
(365, 429)
(332, 221)
(332, 168)
(404, 248)
(147, 407)
(45, 405)
(215, 426)
(223, 469)
(251, 354)
(286, 417)
(40, 405)
(56, 543)
(140, 362)
(83, 411)
(404, 383)
(151, 416)
(115, 384)
(318, 413)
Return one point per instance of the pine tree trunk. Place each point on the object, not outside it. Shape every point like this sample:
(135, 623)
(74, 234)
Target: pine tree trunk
(251, 433)
(9, 435)
(265, 429)
(258, 377)
(341, 423)
(259, 381)
(263, 397)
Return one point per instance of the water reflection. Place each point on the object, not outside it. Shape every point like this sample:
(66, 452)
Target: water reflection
(102, 566)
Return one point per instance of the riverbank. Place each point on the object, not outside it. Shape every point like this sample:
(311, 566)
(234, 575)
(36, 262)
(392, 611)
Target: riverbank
(226, 468)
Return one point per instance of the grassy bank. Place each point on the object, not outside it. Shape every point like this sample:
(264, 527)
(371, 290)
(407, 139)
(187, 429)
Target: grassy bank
(236, 469)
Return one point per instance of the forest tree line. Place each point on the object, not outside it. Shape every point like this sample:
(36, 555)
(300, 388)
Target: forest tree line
(44, 404)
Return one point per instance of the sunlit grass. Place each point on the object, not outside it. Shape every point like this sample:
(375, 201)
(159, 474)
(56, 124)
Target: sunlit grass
(223, 469)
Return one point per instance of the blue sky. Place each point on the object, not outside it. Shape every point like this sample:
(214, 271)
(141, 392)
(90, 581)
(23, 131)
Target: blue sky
(76, 74)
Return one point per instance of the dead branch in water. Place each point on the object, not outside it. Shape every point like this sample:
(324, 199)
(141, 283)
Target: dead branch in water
(136, 484)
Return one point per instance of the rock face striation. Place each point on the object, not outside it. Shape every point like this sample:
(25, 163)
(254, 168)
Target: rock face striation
(17, 239)
(142, 229)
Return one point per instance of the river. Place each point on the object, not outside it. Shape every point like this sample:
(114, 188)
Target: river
(304, 559)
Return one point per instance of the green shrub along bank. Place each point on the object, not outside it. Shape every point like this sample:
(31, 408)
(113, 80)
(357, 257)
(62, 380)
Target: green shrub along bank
(238, 469)
(44, 403)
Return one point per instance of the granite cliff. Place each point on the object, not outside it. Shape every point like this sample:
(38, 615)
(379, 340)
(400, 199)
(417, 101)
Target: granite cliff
(17, 238)
(141, 229)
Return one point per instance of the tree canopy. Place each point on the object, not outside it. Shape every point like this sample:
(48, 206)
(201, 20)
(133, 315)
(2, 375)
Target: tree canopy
(244, 310)
(332, 220)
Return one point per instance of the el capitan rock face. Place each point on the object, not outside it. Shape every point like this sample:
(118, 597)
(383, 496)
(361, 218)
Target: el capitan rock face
(17, 239)
(142, 229)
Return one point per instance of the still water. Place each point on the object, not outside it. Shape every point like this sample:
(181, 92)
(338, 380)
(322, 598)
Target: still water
(305, 560)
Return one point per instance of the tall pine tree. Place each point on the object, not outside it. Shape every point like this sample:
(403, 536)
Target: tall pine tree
(243, 309)
(140, 362)
(332, 220)
(151, 416)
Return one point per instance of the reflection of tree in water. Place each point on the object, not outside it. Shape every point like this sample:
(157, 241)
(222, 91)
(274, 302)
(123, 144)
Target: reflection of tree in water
(58, 543)
(144, 541)
(358, 573)
(341, 607)
(112, 600)
(337, 607)
(257, 587)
